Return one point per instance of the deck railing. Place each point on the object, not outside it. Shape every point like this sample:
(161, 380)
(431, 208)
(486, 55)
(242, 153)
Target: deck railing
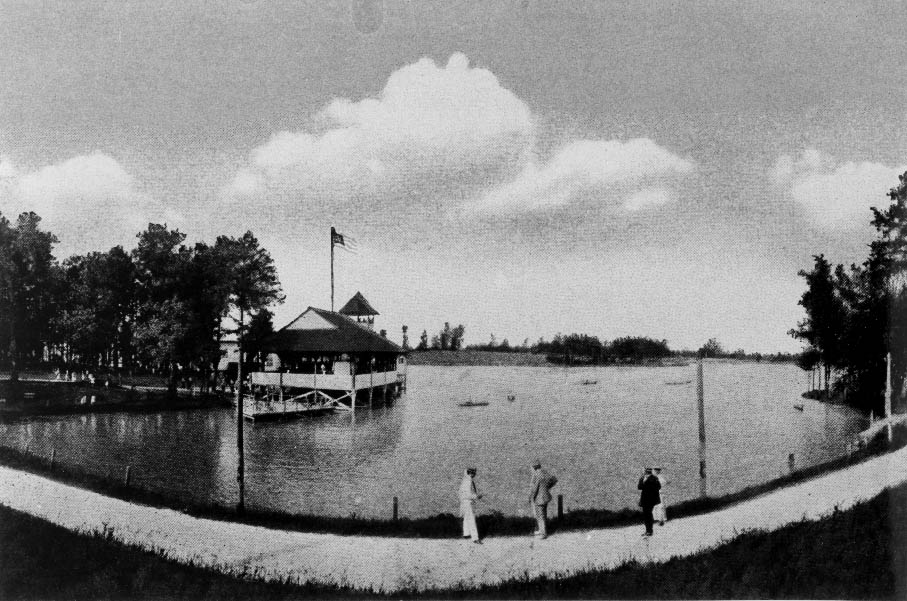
(324, 381)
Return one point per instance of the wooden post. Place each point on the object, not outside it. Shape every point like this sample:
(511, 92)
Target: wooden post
(396, 508)
(560, 507)
(384, 393)
(791, 462)
(371, 381)
(353, 373)
(126, 478)
(315, 379)
(888, 396)
(53, 457)
(700, 397)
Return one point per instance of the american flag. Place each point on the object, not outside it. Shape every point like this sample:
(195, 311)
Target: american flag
(343, 241)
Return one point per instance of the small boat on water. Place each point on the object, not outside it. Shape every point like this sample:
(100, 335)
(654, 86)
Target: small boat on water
(474, 404)
(798, 407)
(589, 382)
(511, 397)
(678, 383)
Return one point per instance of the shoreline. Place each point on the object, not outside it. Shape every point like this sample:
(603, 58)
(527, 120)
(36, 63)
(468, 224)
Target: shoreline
(440, 526)
(392, 565)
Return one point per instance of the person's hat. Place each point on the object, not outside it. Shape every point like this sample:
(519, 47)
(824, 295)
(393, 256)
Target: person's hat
(648, 470)
(536, 463)
(471, 471)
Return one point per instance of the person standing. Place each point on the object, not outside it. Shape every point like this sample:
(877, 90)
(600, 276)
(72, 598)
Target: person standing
(468, 497)
(539, 496)
(649, 497)
(659, 512)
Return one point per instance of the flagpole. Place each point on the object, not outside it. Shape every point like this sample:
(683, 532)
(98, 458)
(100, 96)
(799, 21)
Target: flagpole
(332, 269)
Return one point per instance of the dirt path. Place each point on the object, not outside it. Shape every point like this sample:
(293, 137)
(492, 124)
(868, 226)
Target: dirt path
(392, 564)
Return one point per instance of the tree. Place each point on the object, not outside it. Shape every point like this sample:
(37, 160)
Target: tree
(444, 336)
(405, 340)
(26, 261)
(423, 341)
(164, 318)
(712, 348)
(821, 328)
(456, 337)
(252, 284)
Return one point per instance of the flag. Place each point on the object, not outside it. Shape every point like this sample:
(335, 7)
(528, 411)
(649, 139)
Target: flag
(348, 244)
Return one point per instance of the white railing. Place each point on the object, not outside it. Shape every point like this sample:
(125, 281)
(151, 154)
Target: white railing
(323, 381)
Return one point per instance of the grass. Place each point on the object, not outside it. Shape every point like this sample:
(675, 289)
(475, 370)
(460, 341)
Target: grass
(439, 526)
(859, 553)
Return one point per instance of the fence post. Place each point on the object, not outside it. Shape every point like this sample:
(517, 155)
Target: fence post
(128, 474)
(396, 508)
(560, 507)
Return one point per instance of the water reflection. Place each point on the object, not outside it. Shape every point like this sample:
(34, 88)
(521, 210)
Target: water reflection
(596, 428)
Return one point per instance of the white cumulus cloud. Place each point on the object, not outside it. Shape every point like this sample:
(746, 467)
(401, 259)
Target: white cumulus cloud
(835, 195)
(450, 134)
(634, 173)
(88, 201)
(430, 125)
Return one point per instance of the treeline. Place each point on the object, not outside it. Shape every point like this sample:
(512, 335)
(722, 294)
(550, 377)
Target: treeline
(163, 306)
(856, 315)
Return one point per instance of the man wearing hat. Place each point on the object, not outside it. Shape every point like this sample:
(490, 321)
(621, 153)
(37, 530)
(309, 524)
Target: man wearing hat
(468, 497)
(539, 496)
(649, 498)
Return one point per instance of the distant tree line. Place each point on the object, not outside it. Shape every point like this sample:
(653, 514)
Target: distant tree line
(164, 306)
(856, 315)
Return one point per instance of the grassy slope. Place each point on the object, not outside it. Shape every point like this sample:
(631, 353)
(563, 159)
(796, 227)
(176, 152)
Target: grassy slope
(860, 553)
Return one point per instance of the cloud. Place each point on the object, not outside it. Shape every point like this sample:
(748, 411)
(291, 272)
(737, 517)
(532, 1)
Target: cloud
(88, 201)
(835, 195)
(444, 134)
(632, 172)
(430, 125)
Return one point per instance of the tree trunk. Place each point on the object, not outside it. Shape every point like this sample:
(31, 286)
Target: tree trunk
(241, 464)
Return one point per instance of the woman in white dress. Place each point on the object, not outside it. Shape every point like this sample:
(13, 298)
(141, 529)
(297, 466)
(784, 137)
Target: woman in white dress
(658, 512)
(468, 497)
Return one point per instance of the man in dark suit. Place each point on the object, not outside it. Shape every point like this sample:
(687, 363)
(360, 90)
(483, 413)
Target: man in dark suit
(649, 498)
(539, 497)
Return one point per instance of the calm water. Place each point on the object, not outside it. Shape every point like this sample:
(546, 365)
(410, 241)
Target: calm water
(596, 438)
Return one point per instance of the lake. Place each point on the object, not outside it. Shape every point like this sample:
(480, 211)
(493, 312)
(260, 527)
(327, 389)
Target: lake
(596, 428)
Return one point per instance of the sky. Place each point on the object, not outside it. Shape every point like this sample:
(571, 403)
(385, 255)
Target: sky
(521, 167)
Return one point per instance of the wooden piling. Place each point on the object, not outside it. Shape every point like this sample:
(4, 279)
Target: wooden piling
(560, 507)
(128, 475)
(53, 458)
(888, 396)
(791, 462)
(396, 508)
(700, 398)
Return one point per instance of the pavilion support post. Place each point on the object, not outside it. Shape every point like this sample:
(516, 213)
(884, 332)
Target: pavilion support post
(384, 397)
(315, 383)
(371, 382)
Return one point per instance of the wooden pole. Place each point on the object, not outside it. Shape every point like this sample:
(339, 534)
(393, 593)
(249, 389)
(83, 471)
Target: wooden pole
(241, 463)
(353, 372)
(371, 381)
(888, 396)
(700, 397)
(396, 508)
(560, 507)
(332, 269)
(128, 475)
(315, 380)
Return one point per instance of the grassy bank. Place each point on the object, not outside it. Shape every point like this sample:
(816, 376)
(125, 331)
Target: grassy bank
(514, 359)
(439, 526)
(860, 553)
